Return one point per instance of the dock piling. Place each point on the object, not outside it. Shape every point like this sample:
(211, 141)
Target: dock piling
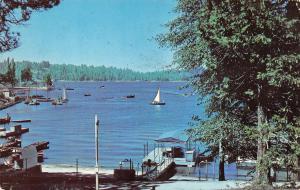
(206, 170)
(147, 149)
(96, 144)
(76, 166)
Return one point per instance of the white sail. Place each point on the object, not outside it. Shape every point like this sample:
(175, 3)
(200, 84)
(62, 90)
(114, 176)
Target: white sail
(64, 97)
(157, 97)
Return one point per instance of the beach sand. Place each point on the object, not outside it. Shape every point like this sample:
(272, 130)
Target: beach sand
(178, 182)
(63, 168)
(191, 183)
(175, 183)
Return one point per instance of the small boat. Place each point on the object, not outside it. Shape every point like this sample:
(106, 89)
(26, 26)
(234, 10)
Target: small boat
(102, 86)
(22, 121)
(44, 99)
(69, 88)
(157, 100)
(130, 96)
(5, 120)
(87, 94)
(37, 96)
(27, 100)
(57, 102)
(34, 103)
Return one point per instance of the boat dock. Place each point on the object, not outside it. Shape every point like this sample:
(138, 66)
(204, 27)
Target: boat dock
(17, 130)
(22, 121)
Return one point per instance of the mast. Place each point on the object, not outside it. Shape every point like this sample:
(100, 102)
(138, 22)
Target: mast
(64, 94)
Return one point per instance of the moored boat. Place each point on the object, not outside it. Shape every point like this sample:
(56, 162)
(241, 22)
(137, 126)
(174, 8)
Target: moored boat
(5, 120)
(37, 96)
(27, 100)
(44, 100)
(57, 102)
(130, 96)
(22, 121)
(87, 94)
(34, 103)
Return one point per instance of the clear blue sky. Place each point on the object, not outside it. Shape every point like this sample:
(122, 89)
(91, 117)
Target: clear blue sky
(98, 32)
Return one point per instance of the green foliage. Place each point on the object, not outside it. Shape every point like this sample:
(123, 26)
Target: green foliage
(16, 13)
(10, 76)
(48, 79)
(99, 73)
(229, 131)
(243, 55)
(26, 75)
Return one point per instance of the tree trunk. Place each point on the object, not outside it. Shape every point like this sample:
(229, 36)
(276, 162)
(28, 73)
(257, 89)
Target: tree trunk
(261, 171)
(297, 169)
(221, 162)
(296, 174)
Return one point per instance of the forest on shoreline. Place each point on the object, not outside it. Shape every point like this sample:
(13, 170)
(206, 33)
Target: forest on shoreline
(83, 72)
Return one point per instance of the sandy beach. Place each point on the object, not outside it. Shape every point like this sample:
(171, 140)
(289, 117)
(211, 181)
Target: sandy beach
(64, 168)
(175, 183)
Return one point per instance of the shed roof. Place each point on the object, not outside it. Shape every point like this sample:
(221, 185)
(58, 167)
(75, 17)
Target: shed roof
(177, 136)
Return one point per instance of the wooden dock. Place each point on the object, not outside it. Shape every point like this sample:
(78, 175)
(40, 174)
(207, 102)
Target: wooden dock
(18, 131)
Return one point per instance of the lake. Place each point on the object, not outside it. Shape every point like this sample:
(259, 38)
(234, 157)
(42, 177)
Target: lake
(125, 124)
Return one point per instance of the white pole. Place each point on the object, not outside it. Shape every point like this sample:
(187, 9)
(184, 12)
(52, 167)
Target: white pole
(96, 144)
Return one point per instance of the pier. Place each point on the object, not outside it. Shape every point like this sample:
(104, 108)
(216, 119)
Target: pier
(17, 130)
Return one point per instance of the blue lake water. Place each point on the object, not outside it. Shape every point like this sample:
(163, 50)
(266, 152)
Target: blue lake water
(125, 124)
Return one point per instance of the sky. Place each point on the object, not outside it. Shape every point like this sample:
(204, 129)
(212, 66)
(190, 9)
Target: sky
(115, 33)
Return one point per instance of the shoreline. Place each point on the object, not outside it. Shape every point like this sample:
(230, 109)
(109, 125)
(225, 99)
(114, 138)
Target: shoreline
(64, 168)
(10, 104)
(121, 81)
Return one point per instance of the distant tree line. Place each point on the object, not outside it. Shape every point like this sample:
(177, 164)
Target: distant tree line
(85, 73)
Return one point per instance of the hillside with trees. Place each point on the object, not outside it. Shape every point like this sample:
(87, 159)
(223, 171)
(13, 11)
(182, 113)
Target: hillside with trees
(86, 73)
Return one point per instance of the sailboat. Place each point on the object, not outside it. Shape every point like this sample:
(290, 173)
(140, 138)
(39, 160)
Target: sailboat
(64, 96)
(34, 102)
(157, 100)
(57, 101)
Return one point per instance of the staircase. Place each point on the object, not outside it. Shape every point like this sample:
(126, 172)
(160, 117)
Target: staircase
(164, 168)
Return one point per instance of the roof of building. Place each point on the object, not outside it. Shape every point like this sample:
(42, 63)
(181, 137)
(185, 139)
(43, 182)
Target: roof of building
(177, 136)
